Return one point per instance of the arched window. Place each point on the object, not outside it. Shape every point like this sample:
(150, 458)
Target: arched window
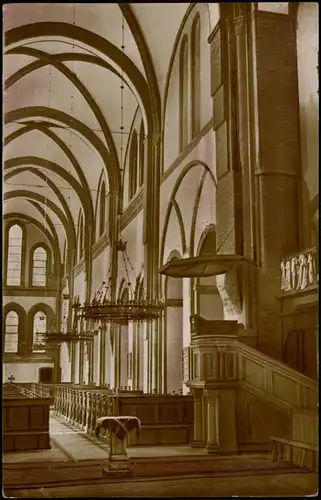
(196, 75)
(102, 209)
(133, 165)
(39, 267)
(141, 154)
(183, 95)
(11, 332)
(39, 328)
(14, 255)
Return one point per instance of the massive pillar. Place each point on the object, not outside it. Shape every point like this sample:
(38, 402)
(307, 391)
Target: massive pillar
(255, 119)
(276, 160)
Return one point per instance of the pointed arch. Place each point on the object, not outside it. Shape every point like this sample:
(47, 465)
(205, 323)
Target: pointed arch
(195, 75)
(141, 154)
(183, 94)
(133, 165)
(80, 236)
(102, 209)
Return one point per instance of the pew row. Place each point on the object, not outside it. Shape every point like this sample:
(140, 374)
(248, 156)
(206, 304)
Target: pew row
(165, 419)
(25, 422)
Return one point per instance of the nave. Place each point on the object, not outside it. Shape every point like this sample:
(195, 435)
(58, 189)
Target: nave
(161, 227)
(181, 471)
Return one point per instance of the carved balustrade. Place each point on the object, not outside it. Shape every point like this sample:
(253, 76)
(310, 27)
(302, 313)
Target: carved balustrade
(299, 271)
(82, 406)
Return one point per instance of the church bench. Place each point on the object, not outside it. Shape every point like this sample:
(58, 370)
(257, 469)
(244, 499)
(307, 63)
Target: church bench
(25, 423)
(165, 419)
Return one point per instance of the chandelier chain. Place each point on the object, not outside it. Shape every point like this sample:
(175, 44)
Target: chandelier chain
(122, 95)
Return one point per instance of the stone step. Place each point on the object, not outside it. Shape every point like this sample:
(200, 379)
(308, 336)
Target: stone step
(43, 474)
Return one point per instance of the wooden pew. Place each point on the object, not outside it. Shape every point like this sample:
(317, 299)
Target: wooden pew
(25, 420)
(165, 419)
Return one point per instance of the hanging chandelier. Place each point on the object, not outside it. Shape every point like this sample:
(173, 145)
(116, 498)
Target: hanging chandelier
(67, 335)
(136, 307)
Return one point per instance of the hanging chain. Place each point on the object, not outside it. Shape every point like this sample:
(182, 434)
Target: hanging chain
(48, 147)
(72, 96)
(122, 96)
(126, 258)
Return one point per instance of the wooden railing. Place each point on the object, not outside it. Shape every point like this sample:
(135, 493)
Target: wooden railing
(165, 419)
(40, 390)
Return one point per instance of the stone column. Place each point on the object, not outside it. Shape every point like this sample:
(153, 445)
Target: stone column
(213, 423)
(102, 374)
(198, 419)
(81, 362)
(72, 348)
(277, 161)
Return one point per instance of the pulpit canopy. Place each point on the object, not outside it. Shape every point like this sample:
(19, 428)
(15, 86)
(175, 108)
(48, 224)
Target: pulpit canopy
(202, 266)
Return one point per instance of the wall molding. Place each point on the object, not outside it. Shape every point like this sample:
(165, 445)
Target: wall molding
(43, 358)
(132, 210)
(187, 150)
(174, 303)
(100, 245)
(7, 291)
(79, 268)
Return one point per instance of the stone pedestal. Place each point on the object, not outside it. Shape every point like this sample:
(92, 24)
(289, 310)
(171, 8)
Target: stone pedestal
(118, 458)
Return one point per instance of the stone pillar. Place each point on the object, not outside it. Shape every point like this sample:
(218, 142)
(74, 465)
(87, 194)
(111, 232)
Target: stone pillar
(72, 350)
(213, 429)
(229, 237)
(102, 374)
(277, 161)
(154, 356)
(54, 352)
(81, 362)
(118, 458)
(198, 417)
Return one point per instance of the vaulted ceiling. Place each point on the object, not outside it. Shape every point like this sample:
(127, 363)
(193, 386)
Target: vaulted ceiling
(64, 67)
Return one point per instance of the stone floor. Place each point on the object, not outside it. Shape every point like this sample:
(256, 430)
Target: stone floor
(285, 485)
(76, 466)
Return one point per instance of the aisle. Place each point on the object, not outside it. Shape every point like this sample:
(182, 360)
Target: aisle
(74, 443)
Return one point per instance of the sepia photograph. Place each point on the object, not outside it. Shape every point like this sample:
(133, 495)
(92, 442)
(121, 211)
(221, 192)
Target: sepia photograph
(160, 256)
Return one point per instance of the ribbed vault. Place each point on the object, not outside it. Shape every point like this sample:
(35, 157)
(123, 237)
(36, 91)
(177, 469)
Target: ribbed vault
(63, 124)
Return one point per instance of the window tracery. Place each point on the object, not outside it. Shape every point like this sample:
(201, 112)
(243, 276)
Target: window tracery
(39, 329)
(11, 343)
(39, 266)
(14, 255)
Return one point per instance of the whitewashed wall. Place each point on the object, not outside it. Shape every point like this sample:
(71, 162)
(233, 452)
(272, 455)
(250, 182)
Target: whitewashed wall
(307, 47)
